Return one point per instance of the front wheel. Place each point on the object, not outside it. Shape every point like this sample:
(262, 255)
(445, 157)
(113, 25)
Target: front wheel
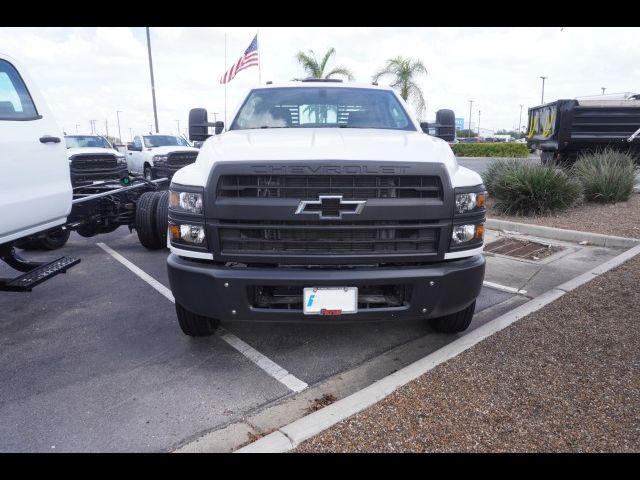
(195, 325)
(148, 175)
(454, 323)
(55, 239)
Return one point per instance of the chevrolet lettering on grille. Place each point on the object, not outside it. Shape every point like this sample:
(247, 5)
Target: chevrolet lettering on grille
(330, 207)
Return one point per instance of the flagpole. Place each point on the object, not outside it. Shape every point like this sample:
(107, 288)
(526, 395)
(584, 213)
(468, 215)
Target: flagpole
(225, 83)
(258, 45)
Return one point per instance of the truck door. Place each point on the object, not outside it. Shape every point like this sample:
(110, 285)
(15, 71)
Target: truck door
(35, 184)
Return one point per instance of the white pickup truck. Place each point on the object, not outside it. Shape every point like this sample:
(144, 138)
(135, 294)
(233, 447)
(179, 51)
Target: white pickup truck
(37, 199)
(93, 158)
(159, 156)
(325, 202)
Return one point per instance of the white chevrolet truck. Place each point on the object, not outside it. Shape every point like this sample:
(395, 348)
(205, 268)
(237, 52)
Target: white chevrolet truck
(37, 200)
(325, 202)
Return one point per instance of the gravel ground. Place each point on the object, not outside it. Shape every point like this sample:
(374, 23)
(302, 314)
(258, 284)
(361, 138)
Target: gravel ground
(563, 379)
(621, 219)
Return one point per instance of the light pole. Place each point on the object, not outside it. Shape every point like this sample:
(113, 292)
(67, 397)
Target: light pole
(478, 123)
(93, 126)
(118, 112)
(77, 125)
(178, 127)
(153, 86)
(520, 121)
(603, 89)
(470, 105)
(543, 79)
(151, 129)
(215, 116)
(106, 127)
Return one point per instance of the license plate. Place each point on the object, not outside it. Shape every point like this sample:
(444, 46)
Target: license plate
(330, 300)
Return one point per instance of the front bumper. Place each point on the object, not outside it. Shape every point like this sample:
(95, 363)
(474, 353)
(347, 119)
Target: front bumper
(163, 172)
(216, 291)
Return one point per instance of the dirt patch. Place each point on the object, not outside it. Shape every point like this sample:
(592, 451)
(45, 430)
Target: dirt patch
(323, 401)
(620, 219)
(254, 437)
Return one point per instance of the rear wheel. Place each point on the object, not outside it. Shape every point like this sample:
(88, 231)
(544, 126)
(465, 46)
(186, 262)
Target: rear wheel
(454, 323)
(146, 225)
(162, 216)
(195, 325)
(54, 239)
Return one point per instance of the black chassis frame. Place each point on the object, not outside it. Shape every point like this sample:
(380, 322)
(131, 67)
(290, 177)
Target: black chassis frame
(104, 206)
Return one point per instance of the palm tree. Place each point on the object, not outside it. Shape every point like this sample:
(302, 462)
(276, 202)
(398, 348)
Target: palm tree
(315, 69)
(404, 70)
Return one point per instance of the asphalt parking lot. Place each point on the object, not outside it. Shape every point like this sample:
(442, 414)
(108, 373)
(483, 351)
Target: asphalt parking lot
(94, 360)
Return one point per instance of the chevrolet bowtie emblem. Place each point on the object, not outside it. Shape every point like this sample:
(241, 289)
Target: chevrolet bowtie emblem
(330, 207)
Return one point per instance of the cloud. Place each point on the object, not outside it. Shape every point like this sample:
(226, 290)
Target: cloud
(89, 73)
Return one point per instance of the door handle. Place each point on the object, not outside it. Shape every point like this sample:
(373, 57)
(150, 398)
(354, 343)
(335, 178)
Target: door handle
(130, 153)
(49, 139)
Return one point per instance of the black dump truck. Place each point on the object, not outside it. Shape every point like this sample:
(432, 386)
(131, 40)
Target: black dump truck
(565, 128)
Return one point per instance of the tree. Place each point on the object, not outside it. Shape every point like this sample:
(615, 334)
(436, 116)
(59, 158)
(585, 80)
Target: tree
(404, 72)
(315, 69)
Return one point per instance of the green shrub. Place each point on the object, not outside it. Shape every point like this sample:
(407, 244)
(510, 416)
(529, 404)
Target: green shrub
(529, 189)
(513, 150)
(606, 176)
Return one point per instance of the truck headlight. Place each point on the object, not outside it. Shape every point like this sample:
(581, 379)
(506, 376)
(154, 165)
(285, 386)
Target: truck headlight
(464, 234)
(160, 160)
(121, 160)
(187, 234)
(468, 202)
(189, 202)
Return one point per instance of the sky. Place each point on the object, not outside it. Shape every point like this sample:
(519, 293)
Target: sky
(89, 73)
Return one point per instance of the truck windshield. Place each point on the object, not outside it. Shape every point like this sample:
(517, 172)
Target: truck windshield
(82, 141)
(164, 141)
(321, 107)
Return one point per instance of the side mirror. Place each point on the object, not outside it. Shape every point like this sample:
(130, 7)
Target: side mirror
(199, 125)
(446, 125)
(425, 127)
(132, 146)
(219, 127)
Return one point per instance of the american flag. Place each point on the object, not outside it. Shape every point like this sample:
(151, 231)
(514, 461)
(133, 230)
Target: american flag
(247, 60)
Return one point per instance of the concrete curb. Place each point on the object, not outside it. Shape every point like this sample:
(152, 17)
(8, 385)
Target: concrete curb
(291, 435)
(575, 236)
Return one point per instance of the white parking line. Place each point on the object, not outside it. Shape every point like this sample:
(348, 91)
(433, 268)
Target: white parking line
(504, 288)
(266, 364)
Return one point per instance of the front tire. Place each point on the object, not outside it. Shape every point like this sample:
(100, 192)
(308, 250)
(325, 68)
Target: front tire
(195, 325)
(548, 158)
(454, 323)
(148, 174)
(162, 217)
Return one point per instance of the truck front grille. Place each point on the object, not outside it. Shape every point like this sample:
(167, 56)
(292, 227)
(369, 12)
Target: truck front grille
(180, 159)
(311, 186)
(93, 162)
(328, 238)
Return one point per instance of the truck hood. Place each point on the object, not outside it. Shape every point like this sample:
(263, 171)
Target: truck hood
(300, 144)
(91, 151)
